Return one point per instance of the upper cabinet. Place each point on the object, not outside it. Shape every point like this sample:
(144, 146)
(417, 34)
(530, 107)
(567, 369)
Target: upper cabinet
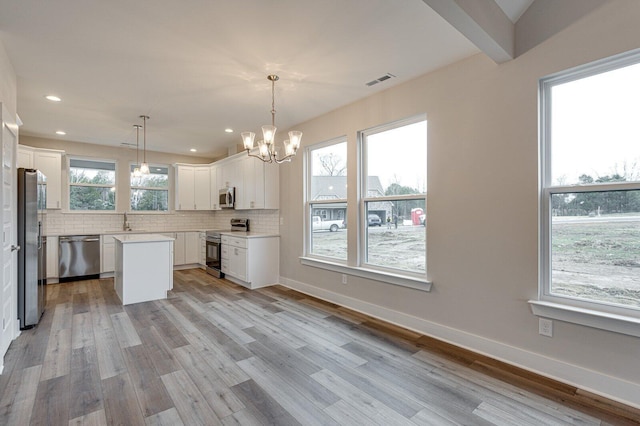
(202, 188)
(260, 189)
(215, 179)
(193, 187)
(49, 162)
(257, 184)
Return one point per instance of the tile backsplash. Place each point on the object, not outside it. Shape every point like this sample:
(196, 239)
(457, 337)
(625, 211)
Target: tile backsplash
(59, 223)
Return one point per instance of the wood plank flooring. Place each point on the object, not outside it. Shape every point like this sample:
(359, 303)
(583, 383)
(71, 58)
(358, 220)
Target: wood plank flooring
(215, 353)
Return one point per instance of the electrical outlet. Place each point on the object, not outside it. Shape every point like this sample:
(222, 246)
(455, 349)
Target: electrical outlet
(545, 327)
(282, 221)
(344, 279)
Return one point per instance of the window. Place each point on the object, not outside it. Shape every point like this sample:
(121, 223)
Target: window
(394, 185)
(327, 199)
(590, 206)
(150, 192)
(92, 185)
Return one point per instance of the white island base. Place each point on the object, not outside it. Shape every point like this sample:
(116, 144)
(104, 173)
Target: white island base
(143, 267)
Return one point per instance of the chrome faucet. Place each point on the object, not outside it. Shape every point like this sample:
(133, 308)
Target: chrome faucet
(125, 224)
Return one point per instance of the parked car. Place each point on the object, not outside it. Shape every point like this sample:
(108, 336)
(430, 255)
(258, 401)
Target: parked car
(374, 220)
(326, 225)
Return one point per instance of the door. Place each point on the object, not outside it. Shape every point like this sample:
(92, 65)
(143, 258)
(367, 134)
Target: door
(9, 260)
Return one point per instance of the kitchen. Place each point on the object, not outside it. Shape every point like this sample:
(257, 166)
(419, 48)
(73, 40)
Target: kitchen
(188, 225)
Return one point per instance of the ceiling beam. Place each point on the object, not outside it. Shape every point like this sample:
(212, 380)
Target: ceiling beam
(482, 22)
(545, 18)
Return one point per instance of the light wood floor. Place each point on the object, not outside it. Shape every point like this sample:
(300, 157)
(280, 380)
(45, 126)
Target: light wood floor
(215, 353)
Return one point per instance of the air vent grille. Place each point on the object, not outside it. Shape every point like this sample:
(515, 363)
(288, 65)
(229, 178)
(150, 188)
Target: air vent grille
(387, 76)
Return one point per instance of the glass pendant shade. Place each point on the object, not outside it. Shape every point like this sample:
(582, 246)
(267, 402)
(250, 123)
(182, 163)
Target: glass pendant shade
(247, 139)
(136, 173)
(144, 168)
(269, 134)
(295, 136)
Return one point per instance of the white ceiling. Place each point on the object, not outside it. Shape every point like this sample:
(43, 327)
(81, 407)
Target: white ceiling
(197, 67)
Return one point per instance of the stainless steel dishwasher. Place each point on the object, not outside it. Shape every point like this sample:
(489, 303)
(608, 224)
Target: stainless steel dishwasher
(78, 257)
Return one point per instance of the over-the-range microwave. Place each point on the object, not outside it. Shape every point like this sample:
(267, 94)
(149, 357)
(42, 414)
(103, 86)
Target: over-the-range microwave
(227, 198)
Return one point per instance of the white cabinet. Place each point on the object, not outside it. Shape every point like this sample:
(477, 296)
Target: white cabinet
(25, 157)
(52, 259)
(252, 194)
(215, 184)
(202, 245)
(193, 188)
(202, 188)
(252, 262)
(191, 248)
(260, 186)
(231, 174)
(107, 254)
(143, 269)
(186, 248)
(185, 187)
(48, 162)
(234, 257)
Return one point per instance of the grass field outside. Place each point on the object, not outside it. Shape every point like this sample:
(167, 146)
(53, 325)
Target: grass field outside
(597, 258)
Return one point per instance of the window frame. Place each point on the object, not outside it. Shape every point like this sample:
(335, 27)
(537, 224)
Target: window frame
(363, 199)
(597, 314)
(70, 185)
(309, 203)
(132, 187)
(353, 266)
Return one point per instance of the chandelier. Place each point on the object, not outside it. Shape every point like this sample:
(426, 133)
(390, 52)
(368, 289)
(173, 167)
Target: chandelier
(266, 147)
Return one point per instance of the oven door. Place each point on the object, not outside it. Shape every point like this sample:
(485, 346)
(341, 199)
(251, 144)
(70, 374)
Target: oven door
(214, 257)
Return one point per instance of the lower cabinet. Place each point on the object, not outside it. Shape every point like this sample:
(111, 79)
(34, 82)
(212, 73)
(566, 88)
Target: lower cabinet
(107, 254)
(52, 273)
(202, 245)
(252, 262)
(186, 250)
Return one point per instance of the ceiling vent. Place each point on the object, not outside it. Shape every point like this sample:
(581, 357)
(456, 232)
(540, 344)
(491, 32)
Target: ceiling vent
(387, 76)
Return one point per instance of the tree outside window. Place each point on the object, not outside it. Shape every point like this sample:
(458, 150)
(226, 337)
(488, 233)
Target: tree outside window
(150, 192)
(92, 185)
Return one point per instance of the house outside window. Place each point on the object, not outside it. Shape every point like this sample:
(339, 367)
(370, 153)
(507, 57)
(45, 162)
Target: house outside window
(327, 199)
(150, 192)
(92, 184)
(393, 205)
(590, 198)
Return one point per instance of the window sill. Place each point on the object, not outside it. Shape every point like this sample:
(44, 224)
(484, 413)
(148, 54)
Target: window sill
(385, 277)
(587, 317)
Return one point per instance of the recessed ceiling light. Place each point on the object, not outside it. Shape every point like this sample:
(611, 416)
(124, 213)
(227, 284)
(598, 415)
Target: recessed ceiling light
(228, 130)
(193, 150)
(61, 133)
(53, 98)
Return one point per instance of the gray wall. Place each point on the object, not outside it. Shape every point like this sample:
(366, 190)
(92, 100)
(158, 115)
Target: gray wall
(483, 151)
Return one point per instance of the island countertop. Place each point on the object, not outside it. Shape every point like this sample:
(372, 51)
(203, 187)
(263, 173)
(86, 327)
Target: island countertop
(141, 238)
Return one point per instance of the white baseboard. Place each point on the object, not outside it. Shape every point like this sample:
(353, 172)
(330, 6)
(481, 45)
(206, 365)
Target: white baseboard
(592, 381)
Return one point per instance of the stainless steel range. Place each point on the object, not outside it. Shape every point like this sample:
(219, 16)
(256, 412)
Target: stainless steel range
(214, 245)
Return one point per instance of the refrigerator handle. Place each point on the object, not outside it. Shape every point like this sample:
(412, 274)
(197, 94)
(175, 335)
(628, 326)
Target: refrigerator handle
(39, 235)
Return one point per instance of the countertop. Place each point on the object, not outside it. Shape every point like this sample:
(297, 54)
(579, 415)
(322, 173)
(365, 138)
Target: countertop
(142, 238)
(240, 234)
(249, 234)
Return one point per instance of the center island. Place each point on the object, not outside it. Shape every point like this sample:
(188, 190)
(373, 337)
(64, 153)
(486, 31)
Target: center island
(143, 267)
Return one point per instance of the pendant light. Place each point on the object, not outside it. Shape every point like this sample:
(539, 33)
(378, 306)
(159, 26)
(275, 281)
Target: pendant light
(144, 167)
(266, 146)
(136, 171)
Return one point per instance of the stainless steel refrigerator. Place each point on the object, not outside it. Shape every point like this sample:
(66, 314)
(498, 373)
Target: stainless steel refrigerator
(32, 192)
